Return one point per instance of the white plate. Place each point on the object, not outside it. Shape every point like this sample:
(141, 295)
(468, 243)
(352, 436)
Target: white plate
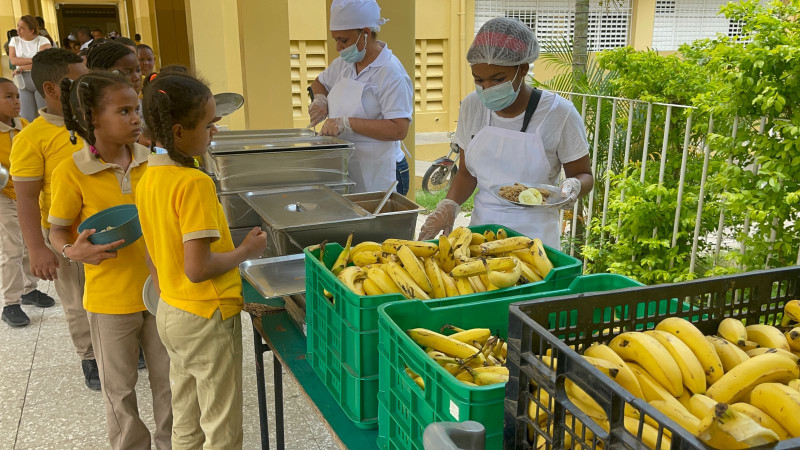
(553, 201)
(150, 296)
(228, 103)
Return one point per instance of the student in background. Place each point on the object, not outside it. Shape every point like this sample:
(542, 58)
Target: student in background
(147, 59)
(21, 50)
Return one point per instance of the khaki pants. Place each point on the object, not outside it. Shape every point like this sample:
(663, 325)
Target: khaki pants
(15, 269)
(69, 287)
(116, 339)
(206, 375)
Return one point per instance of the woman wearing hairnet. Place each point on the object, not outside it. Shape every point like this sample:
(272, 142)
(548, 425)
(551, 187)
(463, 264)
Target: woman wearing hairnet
(513, 133)
(367, 96)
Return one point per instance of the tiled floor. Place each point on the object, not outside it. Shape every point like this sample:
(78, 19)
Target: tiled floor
(45, 405)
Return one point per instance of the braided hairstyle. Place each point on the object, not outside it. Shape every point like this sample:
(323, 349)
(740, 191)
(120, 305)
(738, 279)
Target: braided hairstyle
(171, 99)
(82, 97)
(103, 56)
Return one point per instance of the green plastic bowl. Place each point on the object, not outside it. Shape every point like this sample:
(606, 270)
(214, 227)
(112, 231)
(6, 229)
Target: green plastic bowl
(125, 222)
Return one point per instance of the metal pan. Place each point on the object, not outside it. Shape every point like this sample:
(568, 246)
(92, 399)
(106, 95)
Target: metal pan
(228, 103)
(554, 201)
(276, 277)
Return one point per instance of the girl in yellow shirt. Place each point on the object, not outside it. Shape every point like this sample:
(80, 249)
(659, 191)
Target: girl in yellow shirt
(195, 265)
(101, 108)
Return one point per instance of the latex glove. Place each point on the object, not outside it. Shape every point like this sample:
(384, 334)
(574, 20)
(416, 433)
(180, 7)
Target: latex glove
(335, 127)
(442, 219)
(318, 110)
(570, 189)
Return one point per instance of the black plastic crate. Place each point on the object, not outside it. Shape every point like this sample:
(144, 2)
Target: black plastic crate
(557, 323)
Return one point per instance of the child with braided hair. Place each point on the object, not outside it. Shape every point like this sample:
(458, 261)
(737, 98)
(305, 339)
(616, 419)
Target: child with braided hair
(195, 264)
(101, 108)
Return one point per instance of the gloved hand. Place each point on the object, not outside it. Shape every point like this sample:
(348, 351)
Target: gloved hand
(570, 189)
(442, 219)
(335, 127)
(318, 110)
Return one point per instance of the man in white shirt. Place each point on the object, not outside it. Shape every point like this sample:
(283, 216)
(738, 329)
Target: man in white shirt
(84, 37)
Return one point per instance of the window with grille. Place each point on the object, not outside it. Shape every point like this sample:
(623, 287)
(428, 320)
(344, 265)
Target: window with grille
(429, 73)
(680, 22)
(308, 59)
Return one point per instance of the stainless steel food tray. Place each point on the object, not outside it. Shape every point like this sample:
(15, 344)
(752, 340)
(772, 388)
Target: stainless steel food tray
(276, 277)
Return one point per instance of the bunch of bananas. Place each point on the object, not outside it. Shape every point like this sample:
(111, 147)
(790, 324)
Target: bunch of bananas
(460, 264)
(473, 356)
(736, 389)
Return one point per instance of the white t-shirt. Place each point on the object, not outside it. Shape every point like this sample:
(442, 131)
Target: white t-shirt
(556, 119)
(27, 49)
(388, 94)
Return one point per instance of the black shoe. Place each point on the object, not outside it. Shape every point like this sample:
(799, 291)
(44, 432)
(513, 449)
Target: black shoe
(91, 374)
(142, 364)
(38, 298)
(14, 316)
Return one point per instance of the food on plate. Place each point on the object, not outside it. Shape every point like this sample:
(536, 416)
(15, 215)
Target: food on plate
(519, 193)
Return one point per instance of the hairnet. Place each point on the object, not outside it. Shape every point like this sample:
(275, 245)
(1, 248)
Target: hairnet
(503, 41)
(355, 14)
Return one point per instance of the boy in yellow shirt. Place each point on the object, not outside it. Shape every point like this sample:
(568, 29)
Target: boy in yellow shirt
(17, 285)
(36, 151)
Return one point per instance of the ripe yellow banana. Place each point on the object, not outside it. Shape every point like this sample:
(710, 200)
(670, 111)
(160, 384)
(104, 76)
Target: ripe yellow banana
(767, 336)
(477, 284)
(762, 419)
(584, 401)
(414, 268)
(449, 285)
(541, 263)
(420, 249)
(680, 415)
(780, 402)
(445, 257)
(652, 389)
(383, 280)
(474, 251)
(737, 383)
(652, 356)
(464, 286)
(694, 377)
(477, 239)
(350, 275)
(435, 277)
(461, 245)
(501, 234)
(474, 334)
(504, 279)
(749, 345)
(365, 258)
(489, 235)
(619, 372)
(777, 351)
(701, 405)
(487, 378)
(793, 339)
(727, 428)
(602, 351)
(341, 260)
(733, 330)
(370, 288)
(685, 398)
(506, 245)
(487, 283)
(794, 384)
(729, 353)
(528, 274)
(366, 246)
(694, 339)
(791, 313)
(650, 436)
(479, 267)
(444, 344)
(407, 285)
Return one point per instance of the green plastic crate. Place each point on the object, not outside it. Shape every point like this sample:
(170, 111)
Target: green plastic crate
(343, 335)
(404, 408)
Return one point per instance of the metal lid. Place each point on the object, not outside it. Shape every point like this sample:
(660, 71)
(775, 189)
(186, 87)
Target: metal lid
(306, 207)
(283, 144)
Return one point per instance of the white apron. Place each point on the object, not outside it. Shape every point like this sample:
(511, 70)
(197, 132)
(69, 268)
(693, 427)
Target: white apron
(500, 156)
(373, 165)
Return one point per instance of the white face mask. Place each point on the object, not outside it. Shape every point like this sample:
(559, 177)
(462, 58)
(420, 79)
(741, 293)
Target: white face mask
(497, 98)
(352, 54)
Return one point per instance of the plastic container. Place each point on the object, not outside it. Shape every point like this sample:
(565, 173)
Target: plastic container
(124, 220)
(406, 409)
(343, 335)
(755, 297)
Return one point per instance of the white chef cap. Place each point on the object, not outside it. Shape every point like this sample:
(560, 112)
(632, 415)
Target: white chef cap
(355, 14)
(504, 41)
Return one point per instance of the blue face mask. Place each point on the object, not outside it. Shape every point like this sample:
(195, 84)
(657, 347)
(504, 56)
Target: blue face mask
(351, 54)
(498, 97)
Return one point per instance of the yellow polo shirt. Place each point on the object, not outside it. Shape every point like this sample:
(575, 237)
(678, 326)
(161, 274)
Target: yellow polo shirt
(84, 185)
(7, 134)
(36, 152)
(177, 204)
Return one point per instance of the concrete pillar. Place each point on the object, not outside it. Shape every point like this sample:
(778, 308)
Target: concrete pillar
(144, 12)
(642, 23)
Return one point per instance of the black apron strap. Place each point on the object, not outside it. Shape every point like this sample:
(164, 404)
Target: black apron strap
(533, 102)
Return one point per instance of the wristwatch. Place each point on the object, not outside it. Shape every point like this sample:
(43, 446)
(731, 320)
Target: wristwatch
(64, 251)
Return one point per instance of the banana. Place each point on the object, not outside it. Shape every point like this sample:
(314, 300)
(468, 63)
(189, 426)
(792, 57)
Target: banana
(366, 246)
(414, 268)
(475, 334)
(487, 283)
(464, 286)
(449, 286)
(491, 369)
(447, 261)
(506, 245)
(370, 288)
(504, 279)
(652, 389)
(602, 351)
(477, 239)
(383, 280)
(407, 285)
(693, 375)
(777, 351)
(737, 383)
(444, 344)
(620, 373)
(791, 313)
(477, 284)
(793, 339)
(420, 249)
(341, 260)
(385, 258)
(762, 419)
(794, 384)
(767, 336)
(487, 378)
(733, 330)
(489, 235)
(435, 277)
(349, 276)
(541, 264)
(474, 251)
(365, 258)
(729, 429)
(729, 353)
(680, 415)
(584, 401)
(528, 274)
(542, 412)
(701, 405)
(501, 234)
(749, 345)
(685, 398)
(480, 267)
(694, 339)
(650, 436)
(461, 245)
(456, 232)
(650, 354)
(780, 402)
